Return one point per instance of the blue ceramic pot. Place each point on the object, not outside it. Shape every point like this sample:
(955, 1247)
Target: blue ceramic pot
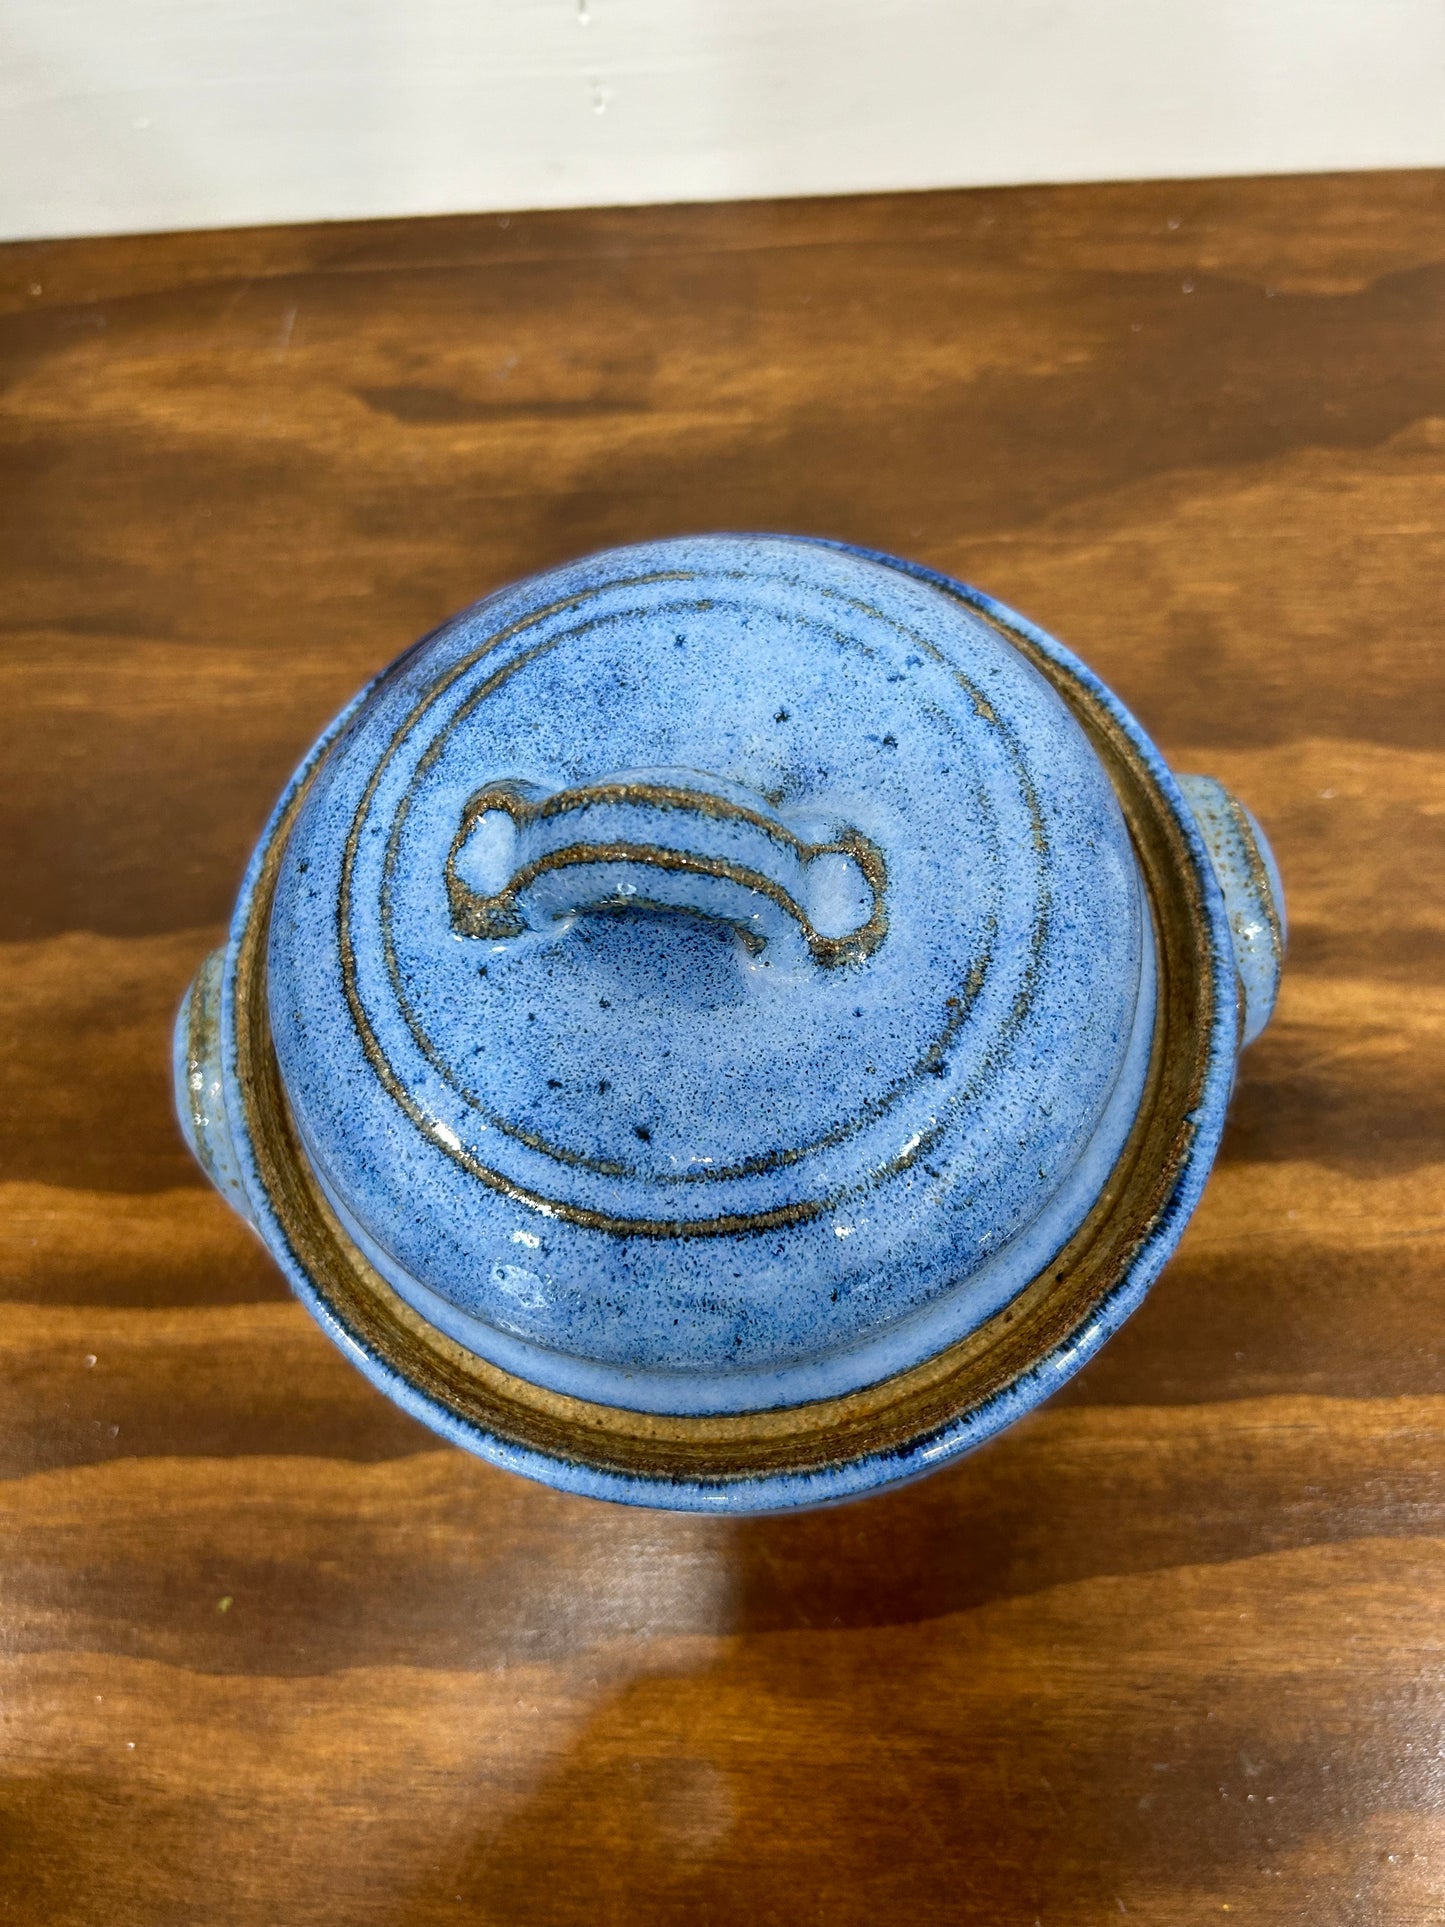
(730, 1023)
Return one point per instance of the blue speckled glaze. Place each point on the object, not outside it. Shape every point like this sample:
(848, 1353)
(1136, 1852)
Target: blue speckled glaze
(687, 1163)
(1253, 895)
(629, 1156)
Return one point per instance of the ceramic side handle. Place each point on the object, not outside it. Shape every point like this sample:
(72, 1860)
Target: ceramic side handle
(199, 1088)
(1253, 894)
(656, 841)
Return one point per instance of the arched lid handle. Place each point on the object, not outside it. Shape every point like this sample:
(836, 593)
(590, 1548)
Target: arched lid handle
(663, 840)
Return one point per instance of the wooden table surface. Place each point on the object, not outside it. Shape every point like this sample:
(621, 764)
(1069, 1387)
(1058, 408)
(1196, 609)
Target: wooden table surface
(1172, 1648)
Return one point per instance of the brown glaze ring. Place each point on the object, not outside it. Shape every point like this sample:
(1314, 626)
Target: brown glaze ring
(884, 1418)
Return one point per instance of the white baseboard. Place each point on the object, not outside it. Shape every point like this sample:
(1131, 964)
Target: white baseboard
(119, 115)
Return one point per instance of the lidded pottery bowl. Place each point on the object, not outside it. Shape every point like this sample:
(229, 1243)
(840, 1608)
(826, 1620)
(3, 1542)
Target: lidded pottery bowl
(731, 1022)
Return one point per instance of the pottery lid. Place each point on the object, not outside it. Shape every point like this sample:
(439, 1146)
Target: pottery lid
(711, 975)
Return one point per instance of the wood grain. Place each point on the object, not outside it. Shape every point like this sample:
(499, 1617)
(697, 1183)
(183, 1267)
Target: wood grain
(1170, 1649)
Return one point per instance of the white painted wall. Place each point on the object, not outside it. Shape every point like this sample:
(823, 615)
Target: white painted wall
(147, 114)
